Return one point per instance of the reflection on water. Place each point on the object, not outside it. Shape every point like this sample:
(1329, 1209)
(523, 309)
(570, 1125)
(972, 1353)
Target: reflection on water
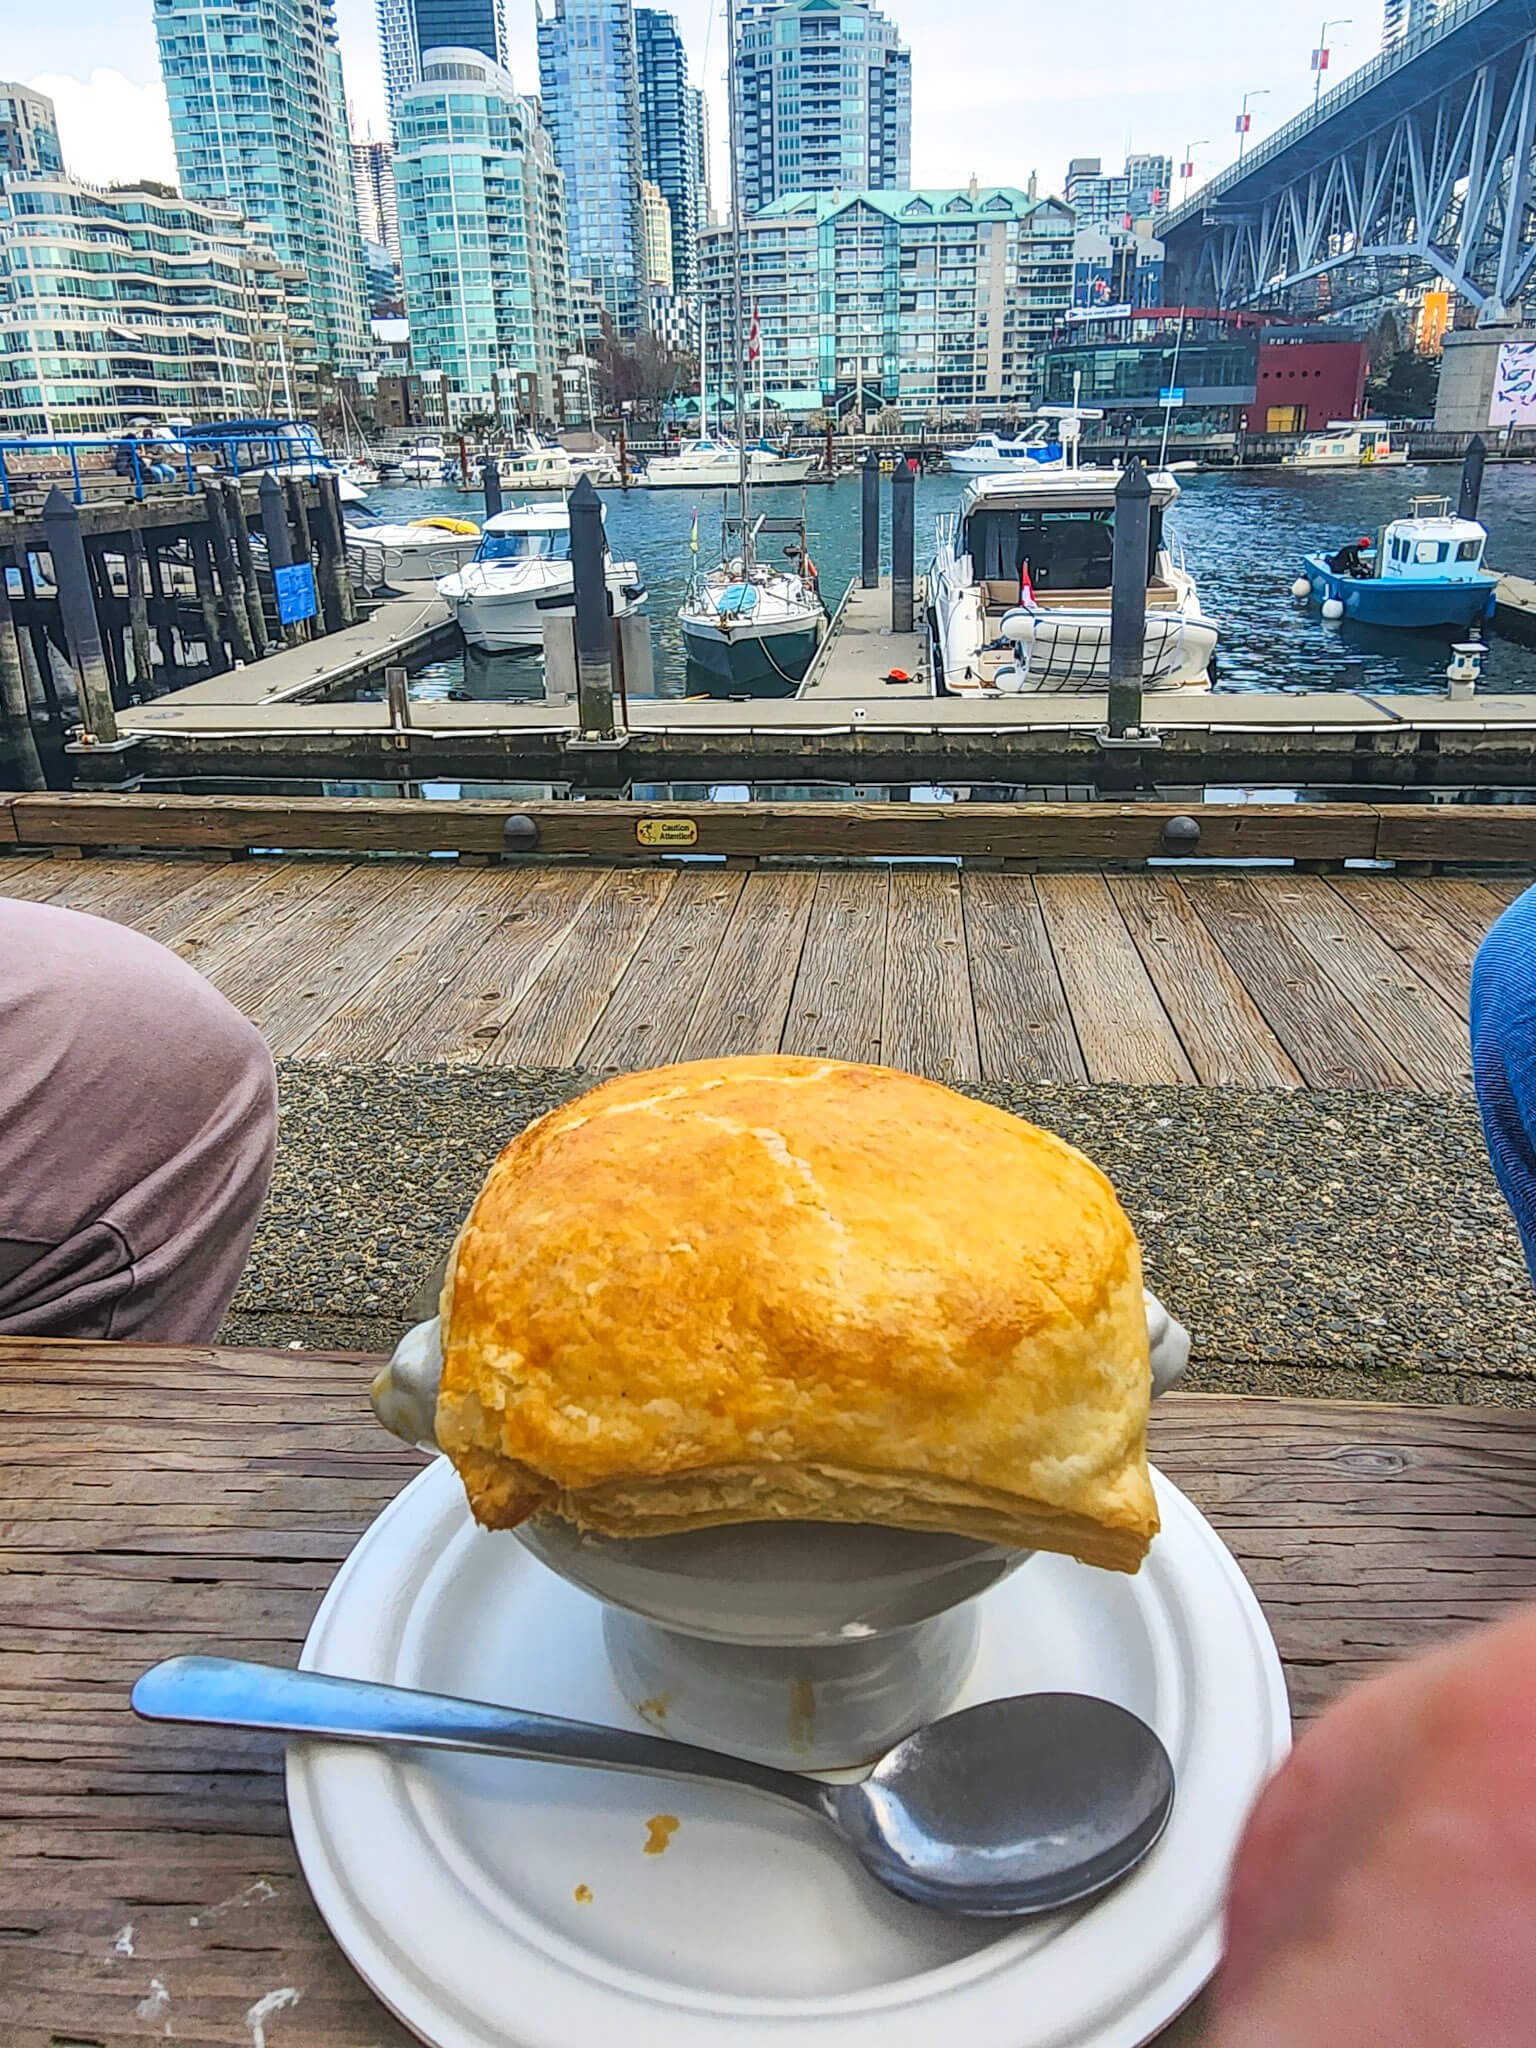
(1242, 533)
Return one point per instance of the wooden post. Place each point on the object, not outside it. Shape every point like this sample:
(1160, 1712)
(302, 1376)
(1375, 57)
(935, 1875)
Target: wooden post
(104, 599)
(71, 573)
(162, 609)
(138, 615)
(397, 696)
(490, 479)
(869, 522)
(298, 519)
(234, 505)
(231, 585)
(594, 636)
(1128, 597)
(42, 647)
(274, 524)
(335, 583)
(623, 452)
(208, 603)
(903, 492)
(15, 711)
(1471, 480)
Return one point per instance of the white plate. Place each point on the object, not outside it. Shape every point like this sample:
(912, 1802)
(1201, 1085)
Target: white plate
(451, 1881)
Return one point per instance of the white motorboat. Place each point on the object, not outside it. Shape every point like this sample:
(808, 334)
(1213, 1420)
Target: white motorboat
(424, 464)
(1348, 444)
(384, 552)
(521, 572)
(712, 462)
(1019, 587)
(599, 463)
(992, 455)
(537, 466)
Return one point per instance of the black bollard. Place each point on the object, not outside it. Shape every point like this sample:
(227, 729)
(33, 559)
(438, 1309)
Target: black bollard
(1128, 597)
(903, 491)
(72, 576)
(490, 479)
(274, 524)
(594, 639)
(869, 531)
(1471, 478)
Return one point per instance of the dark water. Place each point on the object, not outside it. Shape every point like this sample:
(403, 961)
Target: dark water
(1243, 534)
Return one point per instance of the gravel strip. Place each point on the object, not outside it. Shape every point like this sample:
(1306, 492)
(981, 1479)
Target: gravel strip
(1328, 1244)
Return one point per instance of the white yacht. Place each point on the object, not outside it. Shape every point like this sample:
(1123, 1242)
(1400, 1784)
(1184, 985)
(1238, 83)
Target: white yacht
(424, 464)
(991, 455)
(520, 573)
(384, 552)
(1348, 444)
(1019, 587)
(713, 462)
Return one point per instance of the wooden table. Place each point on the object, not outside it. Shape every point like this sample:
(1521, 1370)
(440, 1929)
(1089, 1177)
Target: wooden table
(161, 1500)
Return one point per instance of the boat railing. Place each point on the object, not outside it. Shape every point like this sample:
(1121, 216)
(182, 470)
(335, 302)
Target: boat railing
(114, 465)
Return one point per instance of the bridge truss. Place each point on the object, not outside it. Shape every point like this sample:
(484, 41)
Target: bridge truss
(1417, 168)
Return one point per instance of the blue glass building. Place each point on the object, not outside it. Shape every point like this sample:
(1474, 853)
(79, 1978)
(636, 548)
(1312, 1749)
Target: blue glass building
(408, 27)
(29, 134)
(258, 120)
(589, 81)
(824, 99)
(671, 146)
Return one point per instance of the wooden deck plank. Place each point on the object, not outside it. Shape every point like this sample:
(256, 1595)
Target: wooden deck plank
(370, 1024)
(217, 932)
(1439, 952)
(537, 909)
(32, 880)
(1424, 1035)
(1471, 906)
(1328, 1038)
(839, 992)
(1125, 1033)
(1024, 1028)
(1222, 1029)
(744, 1004)
(328, 949)
(651, 1010)
(928, 1020)
(126, 891)
(566, 997)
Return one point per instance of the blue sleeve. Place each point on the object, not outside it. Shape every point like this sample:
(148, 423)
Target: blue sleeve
(1504, 1059)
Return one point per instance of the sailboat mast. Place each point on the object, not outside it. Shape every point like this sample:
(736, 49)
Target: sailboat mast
(736, 323)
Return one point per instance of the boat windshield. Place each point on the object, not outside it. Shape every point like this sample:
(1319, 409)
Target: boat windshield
(1065, 548)
(553, 546)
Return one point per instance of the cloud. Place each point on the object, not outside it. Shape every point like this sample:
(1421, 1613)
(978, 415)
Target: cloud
(112, 130)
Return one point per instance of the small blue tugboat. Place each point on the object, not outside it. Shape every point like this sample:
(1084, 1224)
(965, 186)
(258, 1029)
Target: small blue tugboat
(1427, 572)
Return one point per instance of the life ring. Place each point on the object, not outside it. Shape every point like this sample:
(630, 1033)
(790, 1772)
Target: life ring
(449, 525)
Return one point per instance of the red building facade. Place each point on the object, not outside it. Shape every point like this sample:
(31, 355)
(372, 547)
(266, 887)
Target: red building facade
(1304, 381)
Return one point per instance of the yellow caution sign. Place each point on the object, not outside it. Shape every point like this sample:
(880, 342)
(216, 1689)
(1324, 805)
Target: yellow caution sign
(667, 832)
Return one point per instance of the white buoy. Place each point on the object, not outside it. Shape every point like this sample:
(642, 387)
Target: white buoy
(1301, 587)
(1333, 608)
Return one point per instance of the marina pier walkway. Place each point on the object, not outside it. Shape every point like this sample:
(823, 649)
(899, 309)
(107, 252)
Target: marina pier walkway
(1257, 980)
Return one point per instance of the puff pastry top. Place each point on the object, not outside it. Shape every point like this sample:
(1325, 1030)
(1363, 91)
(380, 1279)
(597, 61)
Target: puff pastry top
(769, 1287)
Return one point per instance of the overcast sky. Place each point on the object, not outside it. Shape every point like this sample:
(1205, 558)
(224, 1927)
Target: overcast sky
(1017, 88)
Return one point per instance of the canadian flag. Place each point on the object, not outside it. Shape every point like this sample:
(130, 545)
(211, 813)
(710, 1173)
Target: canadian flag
(754, 337)
(1026, 586)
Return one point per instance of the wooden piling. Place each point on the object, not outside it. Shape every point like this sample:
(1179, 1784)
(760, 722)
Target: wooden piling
(208, 603)
(335, 584)
(162, 611)
(42, 647)
(231, 583)
(234, 504)
(71, 574)
(104, 598)
(138, 615)
(15, 710)
(304, 546)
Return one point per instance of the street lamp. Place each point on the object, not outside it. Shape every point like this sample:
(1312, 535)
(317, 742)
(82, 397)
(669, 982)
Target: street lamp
(1187, 167)
(1245, 119)
(1320, 54)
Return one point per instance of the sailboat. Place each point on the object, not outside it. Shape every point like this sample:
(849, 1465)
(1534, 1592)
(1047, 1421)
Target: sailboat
(747, 624)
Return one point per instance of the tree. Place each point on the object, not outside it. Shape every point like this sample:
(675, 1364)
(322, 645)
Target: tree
(888, 420)
(1406, 389)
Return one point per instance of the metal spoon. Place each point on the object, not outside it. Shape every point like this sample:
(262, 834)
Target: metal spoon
(1017, 1806)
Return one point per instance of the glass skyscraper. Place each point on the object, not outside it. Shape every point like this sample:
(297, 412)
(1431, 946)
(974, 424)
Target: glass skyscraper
(258, 120)
(408, 27)
(482, 239)
(672, 148)
(29, 133)
(824, 99)
(589, 81)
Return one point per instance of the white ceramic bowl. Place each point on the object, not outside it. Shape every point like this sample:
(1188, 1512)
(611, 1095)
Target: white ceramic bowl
(806, 1644)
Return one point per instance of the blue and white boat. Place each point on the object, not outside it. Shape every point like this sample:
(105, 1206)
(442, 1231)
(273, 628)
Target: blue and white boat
(1427, 572)
(991, 455)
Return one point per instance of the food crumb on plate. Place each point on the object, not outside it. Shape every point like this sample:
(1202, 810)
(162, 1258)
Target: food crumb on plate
(582, 1895)
(661, 1827)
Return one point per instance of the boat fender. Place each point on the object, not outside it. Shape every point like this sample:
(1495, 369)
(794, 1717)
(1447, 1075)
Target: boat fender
(449, 525)
(897, 675)
(1333, 608)
(1301, 587)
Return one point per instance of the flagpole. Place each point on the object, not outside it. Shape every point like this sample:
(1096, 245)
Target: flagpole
(737, 336)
